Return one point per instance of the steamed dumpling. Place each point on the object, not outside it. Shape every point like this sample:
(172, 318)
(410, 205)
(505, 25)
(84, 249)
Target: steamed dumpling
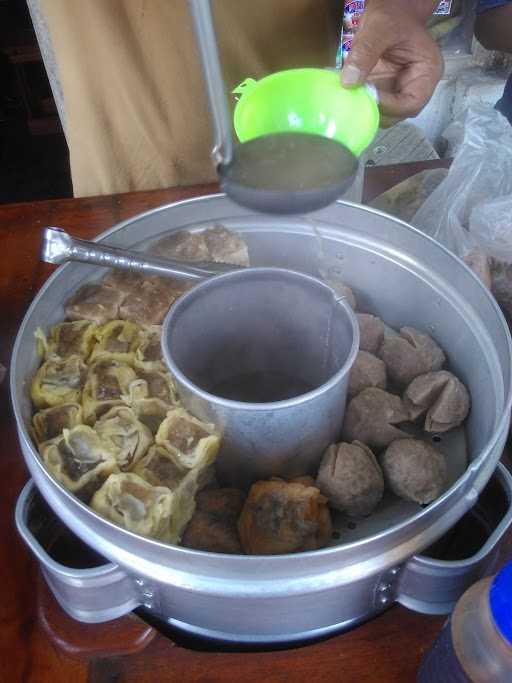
(79, 460)
(370, 418)
(351, 479)
(58, 380)
(367, 371)
(414, 470)
(129, 501)
(410, 354)
(49, 423)
(68, 339)
(443, 398)
(149, 304)
(124, 435)
(217, 244)
(107, 381)
(148, 354)
(189, 439)
(116, 340)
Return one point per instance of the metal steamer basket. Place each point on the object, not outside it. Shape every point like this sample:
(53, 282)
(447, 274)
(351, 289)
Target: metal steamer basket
(396, 273)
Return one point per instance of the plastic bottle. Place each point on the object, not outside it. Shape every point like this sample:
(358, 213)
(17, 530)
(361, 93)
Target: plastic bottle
(476, 643)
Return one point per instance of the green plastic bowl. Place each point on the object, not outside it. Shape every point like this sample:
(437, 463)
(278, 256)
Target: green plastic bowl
(306, 101)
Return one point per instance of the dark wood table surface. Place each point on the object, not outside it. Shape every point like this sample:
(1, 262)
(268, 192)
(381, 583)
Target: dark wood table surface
(38, 643)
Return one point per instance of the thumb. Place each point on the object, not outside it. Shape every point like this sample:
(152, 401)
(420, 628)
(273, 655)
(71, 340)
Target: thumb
(367, 49)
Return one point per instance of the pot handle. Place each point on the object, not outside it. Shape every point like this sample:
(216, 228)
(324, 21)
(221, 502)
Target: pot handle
(91, 595)
(432, 586)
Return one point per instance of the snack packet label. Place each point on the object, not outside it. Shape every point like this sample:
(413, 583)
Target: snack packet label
(444, 7)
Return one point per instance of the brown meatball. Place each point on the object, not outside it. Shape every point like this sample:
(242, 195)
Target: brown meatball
(213, 526)
(443, 398)
(371, 332)
(351, 479)
(414, 470)
(284, 517)
(409, 355)
(98, 303)
(370, 417)
(367, 371)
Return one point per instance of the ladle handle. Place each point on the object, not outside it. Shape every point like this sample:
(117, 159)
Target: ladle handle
(60, 247)
(222, 151)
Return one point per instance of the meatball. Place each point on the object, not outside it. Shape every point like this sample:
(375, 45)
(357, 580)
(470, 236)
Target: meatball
(351, 479)
(371, 331)
(414, 470)
(443, 398)
(409, 355)
(370, 417)
(367, 371)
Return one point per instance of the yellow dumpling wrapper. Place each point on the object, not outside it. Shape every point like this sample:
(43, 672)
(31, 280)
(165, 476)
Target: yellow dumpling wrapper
(191, 441)
(58, 380)
(107, 381)
(79, 460)
(116, 340)
(124, 435)
(67, 339)
(50, 422)
(148, 354)
(135, 505)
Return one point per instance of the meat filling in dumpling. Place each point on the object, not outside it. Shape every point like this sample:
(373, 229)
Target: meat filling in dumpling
(410, 354)
(79, 460)
(189, 439)
(370, 418)
(351, 479)
(367, 371)
(58, 380)
(94, 302)
(284, 517)
(50, 422)
(107, 381)
(124, 435)
(443, 398)
(414, 470)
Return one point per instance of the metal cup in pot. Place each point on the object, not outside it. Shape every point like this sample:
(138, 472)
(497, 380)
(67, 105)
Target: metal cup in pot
(265, 354)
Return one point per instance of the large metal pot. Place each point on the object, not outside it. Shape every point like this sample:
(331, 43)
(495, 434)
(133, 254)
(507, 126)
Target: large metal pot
(397, 273)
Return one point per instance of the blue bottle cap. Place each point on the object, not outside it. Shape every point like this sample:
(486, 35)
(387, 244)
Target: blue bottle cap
(500, 601)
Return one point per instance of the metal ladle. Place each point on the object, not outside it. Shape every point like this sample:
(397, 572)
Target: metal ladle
(59, 247)
(280, 173)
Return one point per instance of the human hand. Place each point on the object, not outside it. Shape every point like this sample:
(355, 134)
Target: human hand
(394, 51)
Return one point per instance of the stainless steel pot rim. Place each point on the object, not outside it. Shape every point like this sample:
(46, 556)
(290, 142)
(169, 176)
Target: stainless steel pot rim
(276, 405)
(502, 422)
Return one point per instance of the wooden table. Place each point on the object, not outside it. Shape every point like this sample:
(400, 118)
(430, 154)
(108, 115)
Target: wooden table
(38, 643)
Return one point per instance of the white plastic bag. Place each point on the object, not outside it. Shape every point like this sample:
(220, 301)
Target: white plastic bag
(472, 208)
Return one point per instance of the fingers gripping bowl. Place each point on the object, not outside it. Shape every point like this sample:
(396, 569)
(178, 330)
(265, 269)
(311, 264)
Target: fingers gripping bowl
(381, 259)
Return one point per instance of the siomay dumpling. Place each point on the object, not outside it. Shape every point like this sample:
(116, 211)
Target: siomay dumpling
(58, 380)
(149, 304)
(192, 442)
(68, 339)
(107, 381)
(148, 354)
(410, 354)
(79, 460)
(213, 244)
(443, 398)
(131, 502)
(50, 422)
(116, 340)
(124, 435)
